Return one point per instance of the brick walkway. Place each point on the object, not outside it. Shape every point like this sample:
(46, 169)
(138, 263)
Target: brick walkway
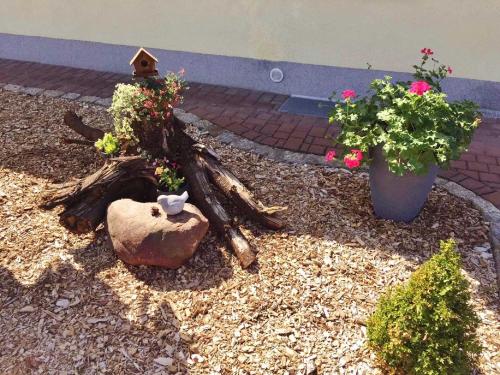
(255, 115)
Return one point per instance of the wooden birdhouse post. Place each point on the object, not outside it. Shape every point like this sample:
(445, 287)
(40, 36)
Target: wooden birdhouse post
(144, 64)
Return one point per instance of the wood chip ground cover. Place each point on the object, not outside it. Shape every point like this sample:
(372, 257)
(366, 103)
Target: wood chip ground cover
(67, 305)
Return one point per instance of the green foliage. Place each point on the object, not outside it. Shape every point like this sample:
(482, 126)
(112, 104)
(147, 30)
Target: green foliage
(151, 100)
(108, 144)
(123, 109)
(432, 76)
(428, 327)
(416, 130)
(168, 178)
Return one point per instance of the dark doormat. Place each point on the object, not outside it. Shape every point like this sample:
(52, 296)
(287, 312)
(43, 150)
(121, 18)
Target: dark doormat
(304, 106)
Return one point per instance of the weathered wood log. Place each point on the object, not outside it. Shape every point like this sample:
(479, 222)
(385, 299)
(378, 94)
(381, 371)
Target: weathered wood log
(86, 200)
(210, 205)
(240, 195)
(73, 121)
(73, 141)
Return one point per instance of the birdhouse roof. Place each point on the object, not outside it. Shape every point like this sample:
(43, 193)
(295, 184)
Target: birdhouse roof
(139, 52)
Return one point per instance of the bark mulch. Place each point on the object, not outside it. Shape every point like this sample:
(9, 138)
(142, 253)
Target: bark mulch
(67, 305)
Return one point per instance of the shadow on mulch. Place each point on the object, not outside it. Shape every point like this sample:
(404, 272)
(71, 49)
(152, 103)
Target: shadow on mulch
(93, 299)
(208, 268)
(32, 139)
(346, 217)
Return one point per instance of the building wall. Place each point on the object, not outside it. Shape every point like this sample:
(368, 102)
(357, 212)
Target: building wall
(303, 37)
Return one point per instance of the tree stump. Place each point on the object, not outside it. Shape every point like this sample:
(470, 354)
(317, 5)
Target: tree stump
(86, 200)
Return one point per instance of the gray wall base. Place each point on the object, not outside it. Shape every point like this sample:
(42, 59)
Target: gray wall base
(299, 79)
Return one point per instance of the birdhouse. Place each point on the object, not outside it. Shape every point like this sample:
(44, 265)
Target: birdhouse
(144, 64)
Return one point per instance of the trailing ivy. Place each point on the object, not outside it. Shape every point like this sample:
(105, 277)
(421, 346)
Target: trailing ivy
(151, 100)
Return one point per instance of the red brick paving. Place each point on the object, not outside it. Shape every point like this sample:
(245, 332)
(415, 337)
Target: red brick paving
(255, 115)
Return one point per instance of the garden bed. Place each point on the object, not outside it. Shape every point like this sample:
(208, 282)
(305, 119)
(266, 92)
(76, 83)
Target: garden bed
(67, 303)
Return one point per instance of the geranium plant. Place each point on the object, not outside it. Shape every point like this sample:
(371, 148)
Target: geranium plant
(413, 121)
(168, 175)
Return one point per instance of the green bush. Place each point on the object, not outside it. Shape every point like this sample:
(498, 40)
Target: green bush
(428, 326)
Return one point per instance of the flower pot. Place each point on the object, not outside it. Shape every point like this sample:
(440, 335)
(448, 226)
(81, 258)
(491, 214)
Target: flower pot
(398, 198)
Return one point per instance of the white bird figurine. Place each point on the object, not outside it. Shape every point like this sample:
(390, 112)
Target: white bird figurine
(173, 204)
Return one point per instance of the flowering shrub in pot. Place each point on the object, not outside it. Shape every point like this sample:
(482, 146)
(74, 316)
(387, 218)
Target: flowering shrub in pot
(406, 130)
(141, 109)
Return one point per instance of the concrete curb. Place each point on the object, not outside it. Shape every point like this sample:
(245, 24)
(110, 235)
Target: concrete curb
(490, 213)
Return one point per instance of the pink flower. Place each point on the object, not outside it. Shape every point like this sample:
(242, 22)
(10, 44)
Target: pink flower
(182, 71)
(427, 51)
(148, 104)
(330, 155)
(351, 163)
(419, 87)
(348, 94)
(449, 70)
(353, 160)
(358, 154)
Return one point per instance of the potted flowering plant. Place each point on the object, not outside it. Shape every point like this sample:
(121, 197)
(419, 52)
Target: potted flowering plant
(169, 177)
(406, 131)
(141, 110)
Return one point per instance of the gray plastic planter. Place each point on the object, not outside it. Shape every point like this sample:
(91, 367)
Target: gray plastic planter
(398, 198)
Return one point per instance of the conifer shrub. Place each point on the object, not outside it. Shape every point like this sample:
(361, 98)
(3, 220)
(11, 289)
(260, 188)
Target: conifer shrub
(427, 326)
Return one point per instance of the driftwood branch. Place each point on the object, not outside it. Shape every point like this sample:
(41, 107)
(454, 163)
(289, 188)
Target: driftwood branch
(210, 205)
(74, 122)
(74, 141)
(86, 200)
(240, 195)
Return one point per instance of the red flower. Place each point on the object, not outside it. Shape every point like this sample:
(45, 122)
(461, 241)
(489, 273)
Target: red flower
(449, 70)
(348, 94)
(353, 160)
(419, 87)
(351, 163)
(427, 51)
(148, 104)
(330, 155)
(358, 154)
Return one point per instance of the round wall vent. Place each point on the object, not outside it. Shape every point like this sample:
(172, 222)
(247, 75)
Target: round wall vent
(276, 75)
